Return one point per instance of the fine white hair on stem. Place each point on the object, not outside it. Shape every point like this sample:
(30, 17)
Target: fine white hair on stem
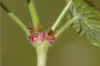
(56, 23)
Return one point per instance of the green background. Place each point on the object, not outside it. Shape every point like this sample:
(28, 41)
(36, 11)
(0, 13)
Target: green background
(69, 49)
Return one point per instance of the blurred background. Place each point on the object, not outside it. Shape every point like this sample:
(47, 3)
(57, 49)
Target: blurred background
(69, 50)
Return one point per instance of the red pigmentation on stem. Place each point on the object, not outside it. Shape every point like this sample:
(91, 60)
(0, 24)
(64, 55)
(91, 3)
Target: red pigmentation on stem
(41, 36)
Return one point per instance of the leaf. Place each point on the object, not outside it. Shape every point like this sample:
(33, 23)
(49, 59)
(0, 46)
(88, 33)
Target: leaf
(89, 23)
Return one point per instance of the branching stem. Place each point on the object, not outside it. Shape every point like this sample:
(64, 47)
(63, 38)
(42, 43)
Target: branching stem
(56, 23)
(66, 26)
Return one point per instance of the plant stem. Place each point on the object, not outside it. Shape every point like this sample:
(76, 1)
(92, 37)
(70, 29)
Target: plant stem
(56, 23)
(41, 60)
(42, 50)
(66, 26)
(20, 23)
(15, 18)
(32, 10)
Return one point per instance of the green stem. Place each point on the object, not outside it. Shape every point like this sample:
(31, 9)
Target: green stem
(56, 23)
(15, 18)
(42, 50)
(20, 23)
(32, 10)
(66, 26)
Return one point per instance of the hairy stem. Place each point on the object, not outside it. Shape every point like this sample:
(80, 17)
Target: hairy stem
(56, 23)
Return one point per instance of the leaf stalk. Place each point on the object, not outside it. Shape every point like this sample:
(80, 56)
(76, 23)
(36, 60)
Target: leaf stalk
(56, 23)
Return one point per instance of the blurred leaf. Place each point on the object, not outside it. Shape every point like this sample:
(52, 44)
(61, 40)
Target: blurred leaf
(89, 23)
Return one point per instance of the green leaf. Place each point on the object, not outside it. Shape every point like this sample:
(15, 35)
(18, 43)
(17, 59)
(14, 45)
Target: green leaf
(89, 23)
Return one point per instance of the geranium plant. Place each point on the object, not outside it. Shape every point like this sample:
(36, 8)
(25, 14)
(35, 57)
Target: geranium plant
(83, 17)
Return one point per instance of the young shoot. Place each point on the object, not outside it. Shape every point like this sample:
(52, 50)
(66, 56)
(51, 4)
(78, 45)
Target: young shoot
(41, 40)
